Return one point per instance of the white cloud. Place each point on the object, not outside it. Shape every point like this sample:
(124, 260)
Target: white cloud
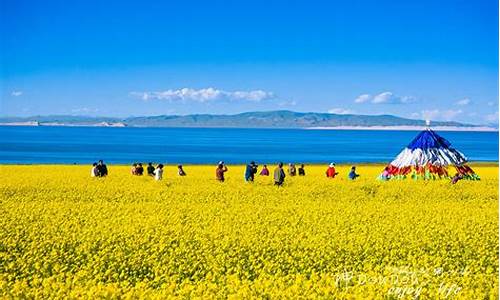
(204, 95)
(340, 111)
(16, 93)
(491, 103)
(363, 98)
(436, 114)
(384, 98)
(84, 110)
(492, 118)
(463, 102)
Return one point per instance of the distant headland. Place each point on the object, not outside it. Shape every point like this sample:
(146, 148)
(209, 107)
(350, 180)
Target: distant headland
(265, 119)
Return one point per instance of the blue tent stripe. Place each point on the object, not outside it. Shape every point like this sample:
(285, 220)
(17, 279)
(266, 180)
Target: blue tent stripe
(428, 139)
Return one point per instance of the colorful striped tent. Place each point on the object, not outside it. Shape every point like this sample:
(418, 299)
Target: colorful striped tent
(428, 156)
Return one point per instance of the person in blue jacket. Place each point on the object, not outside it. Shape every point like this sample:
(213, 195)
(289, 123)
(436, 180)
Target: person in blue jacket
(250, 171)
(352, 174)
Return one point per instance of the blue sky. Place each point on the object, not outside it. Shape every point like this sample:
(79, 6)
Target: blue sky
(418, 59)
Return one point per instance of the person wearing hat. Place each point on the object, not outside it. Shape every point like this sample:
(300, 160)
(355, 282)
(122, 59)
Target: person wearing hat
(219, 172)
(250, 171)
(330, 172)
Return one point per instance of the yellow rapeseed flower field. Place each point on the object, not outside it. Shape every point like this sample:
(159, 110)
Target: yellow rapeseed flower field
(67, 235)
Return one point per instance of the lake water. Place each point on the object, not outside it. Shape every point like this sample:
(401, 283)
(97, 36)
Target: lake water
(84, 145)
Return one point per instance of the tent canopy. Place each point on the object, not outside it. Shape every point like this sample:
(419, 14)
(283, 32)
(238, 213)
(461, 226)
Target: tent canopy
(428, 153)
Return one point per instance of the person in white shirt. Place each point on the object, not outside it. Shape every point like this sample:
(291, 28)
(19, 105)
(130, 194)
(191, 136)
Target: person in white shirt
(93, 171)
(159, 172)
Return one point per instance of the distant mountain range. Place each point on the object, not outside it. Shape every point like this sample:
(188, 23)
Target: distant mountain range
(267, 119)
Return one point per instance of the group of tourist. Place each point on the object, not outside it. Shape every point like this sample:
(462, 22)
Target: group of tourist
(99, 169)
(156, 172)
(279, 174)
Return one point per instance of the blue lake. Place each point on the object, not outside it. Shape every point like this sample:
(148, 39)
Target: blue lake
(84, 145)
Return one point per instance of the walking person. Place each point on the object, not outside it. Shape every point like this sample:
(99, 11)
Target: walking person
(133, 170)
(250, 171)
(93, 171)
(102, 169)
(292, 171)
(139, 169)
(159, 172)
(219, 172)
(302, 171)
(150, 169)
(279, 175)
(180, 171)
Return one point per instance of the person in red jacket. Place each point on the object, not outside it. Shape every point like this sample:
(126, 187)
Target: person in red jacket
(219, 172)
(330, 172)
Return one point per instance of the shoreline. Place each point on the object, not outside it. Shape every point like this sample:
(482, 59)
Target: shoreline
(361, 128)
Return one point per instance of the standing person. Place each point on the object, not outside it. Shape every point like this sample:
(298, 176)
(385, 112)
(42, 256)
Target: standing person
(352, 175)
(219, 172)
(93, 171)
(330, 172)
(279, 175)
(180, 171)
(150, 169)
(302, 172)
(134, 169)
(102, 169)
(291, 170)
(250, 171)
(159, 172)
(139, 170)
(264, 171)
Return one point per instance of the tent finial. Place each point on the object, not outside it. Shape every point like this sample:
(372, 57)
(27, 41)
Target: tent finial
(428, 123)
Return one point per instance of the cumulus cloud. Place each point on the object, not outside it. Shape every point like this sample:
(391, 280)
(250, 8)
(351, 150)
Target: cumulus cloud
(363, 98)
(436, 114)
(463, 102)
(340, 111)
(384, 98)
(16, 93)
(204, 95)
